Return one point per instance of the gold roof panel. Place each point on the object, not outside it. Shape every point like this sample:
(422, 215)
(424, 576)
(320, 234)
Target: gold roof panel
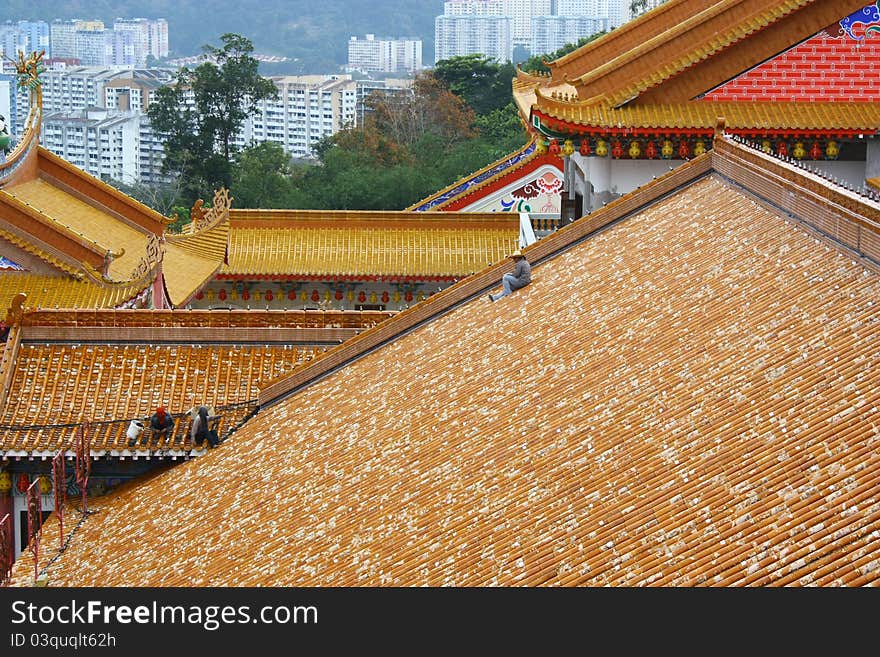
(589, 430)
(365, 244)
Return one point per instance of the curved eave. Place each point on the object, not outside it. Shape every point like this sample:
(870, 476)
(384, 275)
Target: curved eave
(700, 116)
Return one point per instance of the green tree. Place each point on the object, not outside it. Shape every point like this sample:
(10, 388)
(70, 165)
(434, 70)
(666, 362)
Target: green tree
(478, 80)
(261, 176)
(200, 114)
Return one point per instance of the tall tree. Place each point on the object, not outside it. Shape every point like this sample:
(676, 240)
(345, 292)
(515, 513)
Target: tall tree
(200, 114)
(480, 81)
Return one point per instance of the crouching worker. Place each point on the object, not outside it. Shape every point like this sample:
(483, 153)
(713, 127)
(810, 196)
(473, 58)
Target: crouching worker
(161, 424)
(521, 276)
(202, 428)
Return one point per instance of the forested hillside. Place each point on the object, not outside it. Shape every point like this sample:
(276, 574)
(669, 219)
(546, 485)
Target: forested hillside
(315, 33)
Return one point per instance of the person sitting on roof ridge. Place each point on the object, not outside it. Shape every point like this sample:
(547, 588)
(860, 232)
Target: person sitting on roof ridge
(521, 276)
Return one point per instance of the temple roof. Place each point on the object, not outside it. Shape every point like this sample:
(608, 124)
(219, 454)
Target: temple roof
(681, 397)
(653, 71)
(112, 366)
(365, 244)
(464, 191)
(743, 117)
(65, 291)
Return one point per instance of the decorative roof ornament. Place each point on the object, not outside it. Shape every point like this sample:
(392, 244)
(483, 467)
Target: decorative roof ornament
(28, 72)
(15, 312)
(153, 257)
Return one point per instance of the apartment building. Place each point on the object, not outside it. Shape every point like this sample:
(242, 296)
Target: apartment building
(24, 36)
(128, 43)
(308, 108)
(101, 142)
(521, 13)
(550, 33)
(471, 27)
(371, 55)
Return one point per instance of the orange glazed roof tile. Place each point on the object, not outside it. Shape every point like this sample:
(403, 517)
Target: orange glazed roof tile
(743, 117)
(874, 182)
(686, 398)
(358, 244)
(603, 83)
(91, 223)
(65, 291)
(191, 260)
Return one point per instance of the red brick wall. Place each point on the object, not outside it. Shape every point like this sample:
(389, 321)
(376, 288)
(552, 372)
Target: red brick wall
(821, 69)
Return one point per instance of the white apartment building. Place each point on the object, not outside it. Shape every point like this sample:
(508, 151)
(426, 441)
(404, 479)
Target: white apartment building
(129, 43)
(99, 141)
(550, 33)
(456, 35)
(24, 36)
(95, 117)
(150, 38)
(521, 13)
(94, 44)
(389, 87)
(62, 39)
(384, 55)
(308, 108)
(581, 8)
(158, 42)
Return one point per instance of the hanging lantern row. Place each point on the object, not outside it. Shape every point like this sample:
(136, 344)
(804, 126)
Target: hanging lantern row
(801, 149)
(643, 148)
(338, 293)
(666, 148)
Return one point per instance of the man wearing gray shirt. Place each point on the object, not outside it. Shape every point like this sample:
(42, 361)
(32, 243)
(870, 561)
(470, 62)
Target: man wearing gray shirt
(521, 276)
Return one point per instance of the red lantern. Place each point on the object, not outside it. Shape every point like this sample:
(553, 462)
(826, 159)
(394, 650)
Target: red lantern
(22, 483)
(292, 295)
(781, 149)
(362, 296)
(269, 295)
(815, 151)
(385, 296)
(584, 148)
(683, 149)
(554, 148)
(246, 295)
(200, 295)
(651, 150)
(408, 296)
(617, 150)
(339, 295)
(315, 296)
(222, 294)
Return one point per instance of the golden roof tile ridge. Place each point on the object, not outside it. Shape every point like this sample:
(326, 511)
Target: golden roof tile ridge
(52, 223)
(709, 45)
(87, 178)
(33, 249)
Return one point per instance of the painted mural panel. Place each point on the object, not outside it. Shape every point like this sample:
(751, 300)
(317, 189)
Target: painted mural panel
(539, 192)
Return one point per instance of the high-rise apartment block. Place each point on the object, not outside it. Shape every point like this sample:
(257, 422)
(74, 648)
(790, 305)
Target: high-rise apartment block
(473, 26)
(496, 27)
(550, 33)
(95, 117)
(129, 43)
(23, 36)
(521, 13)
(308, 108)
(384, 55)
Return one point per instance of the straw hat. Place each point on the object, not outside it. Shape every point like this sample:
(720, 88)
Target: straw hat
(516, 254)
